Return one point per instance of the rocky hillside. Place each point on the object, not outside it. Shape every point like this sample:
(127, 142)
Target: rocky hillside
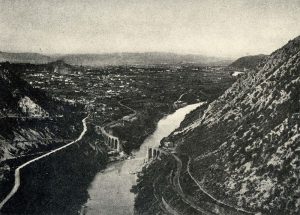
(29, 119)
(245, 147)
(32, 123)
(248, 62)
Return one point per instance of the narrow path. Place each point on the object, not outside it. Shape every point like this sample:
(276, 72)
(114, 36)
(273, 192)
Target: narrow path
(179, 190)
(174, 103)
(176, 181)
(120, 103)
(17, 171)
(161, 204)
(168, 207)
(213, 198)
(181, 96)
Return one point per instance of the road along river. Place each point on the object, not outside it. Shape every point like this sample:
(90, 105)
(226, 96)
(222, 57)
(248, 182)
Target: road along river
(17, 171)
(110, 190)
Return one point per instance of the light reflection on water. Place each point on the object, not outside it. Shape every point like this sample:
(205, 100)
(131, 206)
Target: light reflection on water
(110, 190)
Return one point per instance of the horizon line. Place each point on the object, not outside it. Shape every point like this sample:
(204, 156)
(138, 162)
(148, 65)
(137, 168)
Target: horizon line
(130, 52)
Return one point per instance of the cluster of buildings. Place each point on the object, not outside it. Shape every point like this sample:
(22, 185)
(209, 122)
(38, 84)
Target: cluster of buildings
(99, 88)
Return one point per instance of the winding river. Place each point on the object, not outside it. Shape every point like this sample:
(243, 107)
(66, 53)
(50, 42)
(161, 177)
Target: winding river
(110, 190)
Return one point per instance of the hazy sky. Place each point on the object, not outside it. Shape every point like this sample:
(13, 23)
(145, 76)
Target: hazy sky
(217, 28)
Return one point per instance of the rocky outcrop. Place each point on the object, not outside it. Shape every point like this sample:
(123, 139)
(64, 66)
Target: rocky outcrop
(245, 147)
(29, 118)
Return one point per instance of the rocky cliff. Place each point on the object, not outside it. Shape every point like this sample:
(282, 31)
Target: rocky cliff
(245, 147)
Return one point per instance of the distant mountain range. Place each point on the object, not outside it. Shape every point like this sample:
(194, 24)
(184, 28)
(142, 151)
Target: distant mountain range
(115, 59)
(33, 58)
(149, 58)
(248, 62)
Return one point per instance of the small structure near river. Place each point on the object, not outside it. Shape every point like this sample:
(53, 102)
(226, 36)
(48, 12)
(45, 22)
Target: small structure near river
(154, 153)
(113, 142)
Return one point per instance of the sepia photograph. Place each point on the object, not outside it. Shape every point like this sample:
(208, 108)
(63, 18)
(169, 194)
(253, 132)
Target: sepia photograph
(149, 107)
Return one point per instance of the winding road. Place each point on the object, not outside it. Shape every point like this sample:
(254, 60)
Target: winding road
(227, 209)
(178, 188)
(236, 209)
(134, 111)
(174, 103)
(17, 171)
(180, 97)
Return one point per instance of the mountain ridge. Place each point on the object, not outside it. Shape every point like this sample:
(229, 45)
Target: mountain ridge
(24, 57)
(115, 59)
(249, 62)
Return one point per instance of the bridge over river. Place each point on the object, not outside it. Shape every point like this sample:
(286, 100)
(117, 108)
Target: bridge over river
(110, 190)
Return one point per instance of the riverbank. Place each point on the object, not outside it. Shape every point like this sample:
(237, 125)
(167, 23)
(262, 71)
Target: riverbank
(110, 190)
(30, 175)
(152, 92)
(57, 183)
(148, 113)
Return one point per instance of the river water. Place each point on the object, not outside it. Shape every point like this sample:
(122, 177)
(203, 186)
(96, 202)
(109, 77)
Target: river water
(110, 190)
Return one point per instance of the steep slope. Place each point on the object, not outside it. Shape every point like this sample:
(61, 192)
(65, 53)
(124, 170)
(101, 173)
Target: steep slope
(245, 147)
(29, 118)
(31, 124)
(248, 62)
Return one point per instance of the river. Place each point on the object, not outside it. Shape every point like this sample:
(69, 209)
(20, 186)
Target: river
(110, 190)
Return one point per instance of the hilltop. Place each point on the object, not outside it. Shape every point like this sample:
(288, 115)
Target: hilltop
(33, 58)
(248, 62)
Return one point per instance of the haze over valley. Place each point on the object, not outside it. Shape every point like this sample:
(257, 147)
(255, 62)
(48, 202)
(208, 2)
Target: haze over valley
(150, 107)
